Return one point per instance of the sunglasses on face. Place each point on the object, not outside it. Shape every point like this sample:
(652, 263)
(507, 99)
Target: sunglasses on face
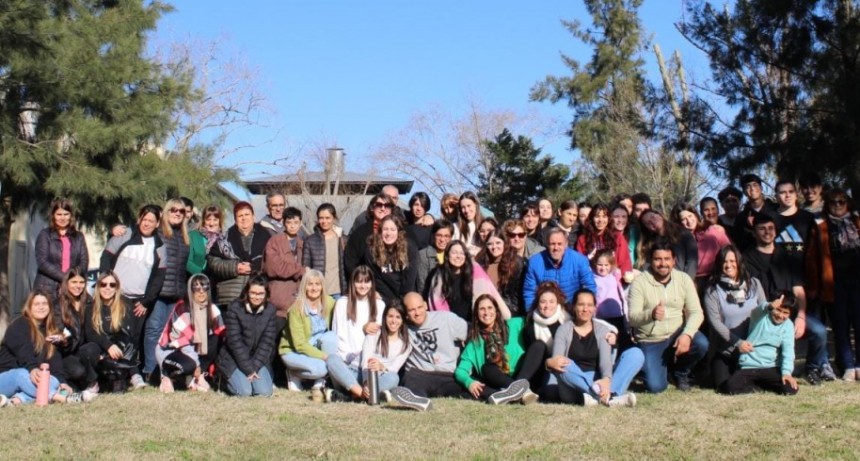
(383, 205)
(516, 235)
(203, 287)
(178, 210)
(839, 202)
(107, 284)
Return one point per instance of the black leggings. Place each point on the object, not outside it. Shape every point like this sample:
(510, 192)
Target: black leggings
(177, 364)
(749, 380)
(495, 379)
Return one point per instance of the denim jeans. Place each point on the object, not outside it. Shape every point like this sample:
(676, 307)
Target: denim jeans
(625, 369)
(387, 381)
(239, 385)
(305, 367)
(845, 316)
(16, 383)
(660, 355)
(816, 342)
(152, 332)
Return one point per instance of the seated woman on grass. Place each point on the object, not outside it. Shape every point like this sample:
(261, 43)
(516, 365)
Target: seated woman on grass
(30, 342)
(547, 315)
(189, 341)
(308, 341)
(583, 359)
(493, 365)
(355, 315)
(245, 360)
(386, 351)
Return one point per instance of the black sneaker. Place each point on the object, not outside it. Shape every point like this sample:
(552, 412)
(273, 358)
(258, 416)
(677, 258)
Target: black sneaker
(512, 393)
(406, 398)
(813, 376)
(683, 383)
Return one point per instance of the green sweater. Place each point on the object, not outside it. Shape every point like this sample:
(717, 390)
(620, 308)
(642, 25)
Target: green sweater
(680, 300)
(296, 336)
(196, 263)
(473, 357)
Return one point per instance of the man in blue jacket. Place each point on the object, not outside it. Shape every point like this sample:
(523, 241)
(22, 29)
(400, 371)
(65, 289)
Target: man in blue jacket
(560, 264)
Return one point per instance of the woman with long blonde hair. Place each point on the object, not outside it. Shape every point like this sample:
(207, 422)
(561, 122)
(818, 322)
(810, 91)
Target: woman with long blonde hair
(174, 234)
(308, 340)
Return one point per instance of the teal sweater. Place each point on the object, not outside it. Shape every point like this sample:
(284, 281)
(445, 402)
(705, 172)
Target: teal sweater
(773, 344)
(472, 358)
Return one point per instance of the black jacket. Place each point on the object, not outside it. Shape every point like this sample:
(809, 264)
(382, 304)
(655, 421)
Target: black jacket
(49, 257)
(18, 351)
(250, 339)
(313, 256)
(175, 276)
(394, 284)
(116, 245)
(108, 338)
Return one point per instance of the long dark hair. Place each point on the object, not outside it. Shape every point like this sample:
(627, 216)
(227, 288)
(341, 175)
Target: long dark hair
(592, 235)
(508, 263)
(446, 273)
(499, 325)
(360, 274)
(255, 279)
(67, 205)
(67, 302)
(402, 333)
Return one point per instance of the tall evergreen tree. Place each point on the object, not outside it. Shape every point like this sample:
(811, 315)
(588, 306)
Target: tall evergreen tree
(519, 175)
(83, 112)
(618, 116)
(789, 71)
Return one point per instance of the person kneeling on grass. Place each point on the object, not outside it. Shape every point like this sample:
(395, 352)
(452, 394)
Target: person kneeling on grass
(189, 341)
(245, 360)
(495, 355)
(583, 358)
(767, 355)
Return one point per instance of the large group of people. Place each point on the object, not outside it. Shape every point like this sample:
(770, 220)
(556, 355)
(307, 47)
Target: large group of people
(571, 303)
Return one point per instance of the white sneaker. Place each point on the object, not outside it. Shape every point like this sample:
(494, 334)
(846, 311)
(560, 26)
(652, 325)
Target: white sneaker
(512, 393)
(386, 397)
(87, 396)
(3, 400)
(850, 375)
(626, 400)
(93, 388)
(406, 398)
(136, 382)
(588, 400)
(294, 384)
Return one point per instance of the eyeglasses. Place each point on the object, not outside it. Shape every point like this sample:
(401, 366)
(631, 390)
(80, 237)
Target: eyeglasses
(383, 205)
(277, 205)
(200, 288)
(516, 235)
(839, 202)
(107, 284)
(178, 210)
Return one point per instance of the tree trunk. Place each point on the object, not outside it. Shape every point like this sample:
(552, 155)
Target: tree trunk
(5, 233)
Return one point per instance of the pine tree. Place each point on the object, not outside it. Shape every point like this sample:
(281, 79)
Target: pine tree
(519, 175)
(83, 112)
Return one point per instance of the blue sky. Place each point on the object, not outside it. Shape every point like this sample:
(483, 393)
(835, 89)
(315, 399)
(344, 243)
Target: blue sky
(353, 72)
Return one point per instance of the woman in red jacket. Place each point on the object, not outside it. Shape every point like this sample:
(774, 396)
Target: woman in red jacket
(598, 235)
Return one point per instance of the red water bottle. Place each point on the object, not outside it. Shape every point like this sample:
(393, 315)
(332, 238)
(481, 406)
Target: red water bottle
(44, 386)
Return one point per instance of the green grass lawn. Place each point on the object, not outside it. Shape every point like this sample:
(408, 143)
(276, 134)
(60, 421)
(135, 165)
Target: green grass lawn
(818, 423)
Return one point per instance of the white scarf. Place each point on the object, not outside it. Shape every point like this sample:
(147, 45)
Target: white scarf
(542, 324)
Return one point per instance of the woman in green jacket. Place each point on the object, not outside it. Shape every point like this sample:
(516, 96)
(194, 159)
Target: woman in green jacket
(308, 339)
(494, 365)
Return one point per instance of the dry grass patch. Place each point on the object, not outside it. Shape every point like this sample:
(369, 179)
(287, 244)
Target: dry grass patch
(819, 423)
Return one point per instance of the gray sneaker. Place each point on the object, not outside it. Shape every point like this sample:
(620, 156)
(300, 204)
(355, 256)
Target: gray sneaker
(827, 372)
(512, 393)
(406, 398)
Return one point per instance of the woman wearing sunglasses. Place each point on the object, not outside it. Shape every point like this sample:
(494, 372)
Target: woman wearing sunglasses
(517, 238)
(174, 234)
(138, 258)
(189, 342)
(379, 207)
(833, 275)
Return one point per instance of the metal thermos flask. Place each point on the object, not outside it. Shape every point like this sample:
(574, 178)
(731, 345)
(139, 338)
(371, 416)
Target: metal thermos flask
(373, 387)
